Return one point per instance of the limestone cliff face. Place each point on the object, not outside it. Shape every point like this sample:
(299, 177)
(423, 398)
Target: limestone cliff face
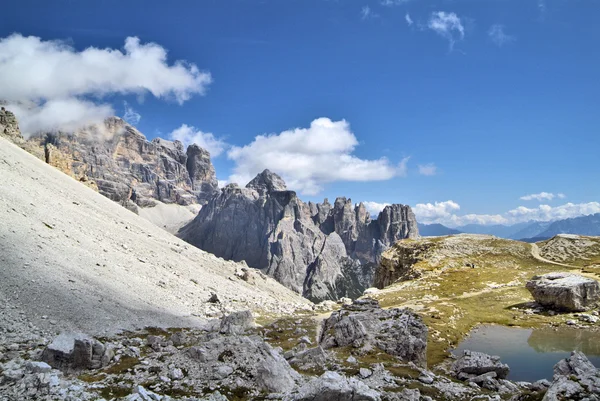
(322, 251)
(118, 161)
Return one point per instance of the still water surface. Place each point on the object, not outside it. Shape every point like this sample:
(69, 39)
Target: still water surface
(532, 354)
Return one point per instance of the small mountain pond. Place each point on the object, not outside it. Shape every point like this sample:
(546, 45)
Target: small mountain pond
(531, 353)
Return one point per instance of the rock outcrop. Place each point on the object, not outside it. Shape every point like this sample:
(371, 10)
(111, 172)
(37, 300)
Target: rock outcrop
(366, 326)
(575, 378)
(117, 160)
(322, 251)
(472, 364)
(126, 167)
(565, 291)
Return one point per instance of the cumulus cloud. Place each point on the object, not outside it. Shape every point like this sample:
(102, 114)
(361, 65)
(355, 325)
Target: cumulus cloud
(374, 208)
(427, 169)
(309, 157)
(48, 73)
(433, 212)
(189, 135)
(408, 19)
(498, 36)
(131, 116)
(543, 196)
(445, 213)
(447, 25)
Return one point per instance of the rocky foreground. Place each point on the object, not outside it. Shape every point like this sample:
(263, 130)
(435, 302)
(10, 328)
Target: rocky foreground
(362, 353)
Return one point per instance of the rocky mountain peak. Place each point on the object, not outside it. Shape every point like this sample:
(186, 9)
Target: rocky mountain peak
(267, 182)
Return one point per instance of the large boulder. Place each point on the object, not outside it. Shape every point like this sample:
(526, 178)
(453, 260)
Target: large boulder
(332, 386)
(237, 323)
(366, 326)
(76, 351)
(575, 378)
(565, 291)
(472, 364)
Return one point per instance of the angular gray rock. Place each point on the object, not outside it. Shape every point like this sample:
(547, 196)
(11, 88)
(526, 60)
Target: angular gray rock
(237, 323)
(471, 364)
(75, 351)
(565, 291)
(366, 326)
(575, 378)
(331, 386)
(318, 250)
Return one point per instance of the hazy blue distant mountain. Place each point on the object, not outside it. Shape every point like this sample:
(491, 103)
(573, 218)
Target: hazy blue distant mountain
(585, 225)
(435, 230)
(533, 230)
(498, 230)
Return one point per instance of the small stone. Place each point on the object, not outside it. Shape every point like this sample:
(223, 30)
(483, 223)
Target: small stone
(37, 367)
(223, 371)
(426, 379)
(176, 374)
(351, 359)
(571, 322)
(365, 373)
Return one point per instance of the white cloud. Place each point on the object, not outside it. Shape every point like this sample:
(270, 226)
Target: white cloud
(549, 213)
(61, 114)
(447, 25)
(374, 208)
(50, 74)
(188, 135)
(427, 169)
(367, 13)
(408, 19)
(498, 36)
(445, 213)
(391, 3)
(542, 196)
(222, 183)
(307, 158)
(432, 212)
(131, 116)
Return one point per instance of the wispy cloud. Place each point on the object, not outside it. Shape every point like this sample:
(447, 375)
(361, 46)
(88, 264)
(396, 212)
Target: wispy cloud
(543, 196)
(131, 116)
(427, 169)
(367, 13)
(408, 19)
(498, 36)
(447, 25)
(390, 3)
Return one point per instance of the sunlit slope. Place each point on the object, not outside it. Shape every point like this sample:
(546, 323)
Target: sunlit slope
(576, 250)
(453, 296)
(72, 259)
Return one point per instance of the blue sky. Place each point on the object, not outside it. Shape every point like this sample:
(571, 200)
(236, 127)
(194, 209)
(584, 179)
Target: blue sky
(493, 99)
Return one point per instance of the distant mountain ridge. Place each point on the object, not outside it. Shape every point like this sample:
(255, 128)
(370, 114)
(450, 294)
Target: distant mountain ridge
(436, 230)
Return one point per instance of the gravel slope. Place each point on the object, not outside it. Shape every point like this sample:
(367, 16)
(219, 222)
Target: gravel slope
(72, 259)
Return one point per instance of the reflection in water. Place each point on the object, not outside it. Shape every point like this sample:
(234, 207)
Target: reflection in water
(532, 354)
(565, 340)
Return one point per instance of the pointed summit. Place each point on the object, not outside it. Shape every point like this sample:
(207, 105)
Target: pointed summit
(267, 182)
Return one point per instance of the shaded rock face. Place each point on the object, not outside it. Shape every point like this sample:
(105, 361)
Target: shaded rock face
(322, 251)
(365, 326)
(127, 168)
(565, 291)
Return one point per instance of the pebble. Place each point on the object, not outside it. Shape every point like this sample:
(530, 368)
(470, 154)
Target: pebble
(365, 373)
